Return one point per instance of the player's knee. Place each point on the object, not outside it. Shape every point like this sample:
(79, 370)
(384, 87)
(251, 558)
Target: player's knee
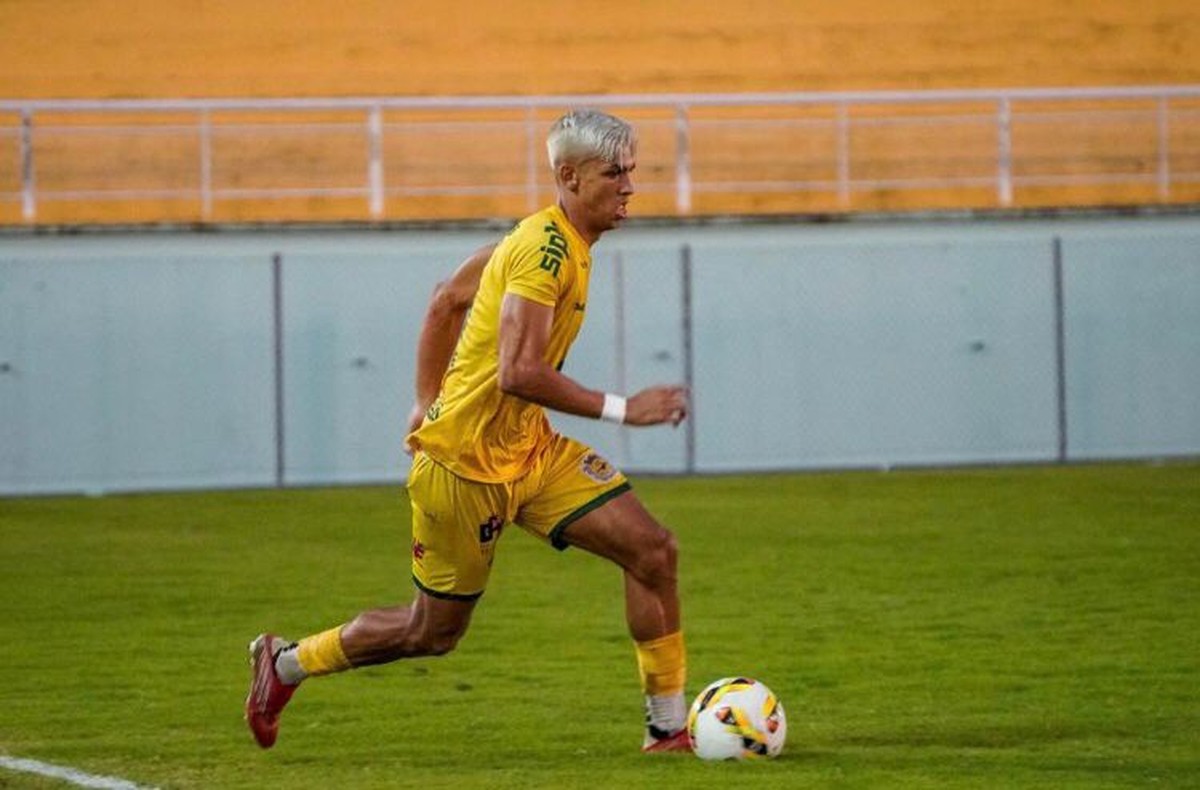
(441, 644)
(659, 557)
(436, 641)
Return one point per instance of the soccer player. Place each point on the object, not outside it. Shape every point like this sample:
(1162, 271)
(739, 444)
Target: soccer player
(489, 362)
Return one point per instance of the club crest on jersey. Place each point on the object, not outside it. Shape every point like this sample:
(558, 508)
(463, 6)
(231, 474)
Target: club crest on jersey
(597, 468)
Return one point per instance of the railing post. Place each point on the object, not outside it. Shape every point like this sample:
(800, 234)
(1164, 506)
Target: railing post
(28, 186)
(375, 160)
(683, 164)
(1164, 151)
(206, 190)
(1004, 176)
(531, 161)
(843, 155)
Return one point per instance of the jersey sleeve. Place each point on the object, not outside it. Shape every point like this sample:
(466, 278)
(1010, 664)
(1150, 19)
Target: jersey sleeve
(533, 272)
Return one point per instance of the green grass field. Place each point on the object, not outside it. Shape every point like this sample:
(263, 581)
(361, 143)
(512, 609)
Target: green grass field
(999, 628)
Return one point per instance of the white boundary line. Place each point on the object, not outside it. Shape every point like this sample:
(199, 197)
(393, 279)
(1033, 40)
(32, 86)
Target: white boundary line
(71, 775)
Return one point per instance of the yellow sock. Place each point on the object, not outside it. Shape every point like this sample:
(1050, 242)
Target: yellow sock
(322, 654)
(662, 663)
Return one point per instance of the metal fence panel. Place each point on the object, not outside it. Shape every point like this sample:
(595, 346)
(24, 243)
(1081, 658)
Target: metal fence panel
(201, 160)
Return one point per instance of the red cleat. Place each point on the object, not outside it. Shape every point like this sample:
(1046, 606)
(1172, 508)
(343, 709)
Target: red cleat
(678, 742)
(268, 694)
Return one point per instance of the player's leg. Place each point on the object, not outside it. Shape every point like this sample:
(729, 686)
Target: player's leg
(623, 531)
(428, 626)
(579, 499)
(455, 529)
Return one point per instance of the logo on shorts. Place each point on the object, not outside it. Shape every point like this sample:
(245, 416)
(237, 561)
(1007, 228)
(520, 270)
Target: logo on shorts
(595, 467)
(418, 550)
(490, 529)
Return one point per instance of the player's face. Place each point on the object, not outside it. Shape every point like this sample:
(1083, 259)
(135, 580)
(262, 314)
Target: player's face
(604, 190)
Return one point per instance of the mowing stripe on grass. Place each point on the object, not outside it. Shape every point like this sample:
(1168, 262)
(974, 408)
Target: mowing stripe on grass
(71, 775)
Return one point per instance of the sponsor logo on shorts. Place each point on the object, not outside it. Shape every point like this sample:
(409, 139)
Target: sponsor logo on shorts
(597, 468)
(490, 529)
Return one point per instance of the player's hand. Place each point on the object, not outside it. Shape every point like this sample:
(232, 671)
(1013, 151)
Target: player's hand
(657, 405)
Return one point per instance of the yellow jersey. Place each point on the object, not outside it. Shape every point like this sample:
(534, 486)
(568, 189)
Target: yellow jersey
(472, 428)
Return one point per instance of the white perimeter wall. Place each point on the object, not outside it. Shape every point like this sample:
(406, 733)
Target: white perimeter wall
(149, 361)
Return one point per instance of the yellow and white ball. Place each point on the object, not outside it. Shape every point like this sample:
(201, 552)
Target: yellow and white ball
(736, 718)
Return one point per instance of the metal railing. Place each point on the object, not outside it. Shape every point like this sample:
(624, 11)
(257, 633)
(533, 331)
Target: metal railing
(216, 160)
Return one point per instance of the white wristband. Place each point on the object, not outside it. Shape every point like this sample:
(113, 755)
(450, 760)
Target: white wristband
(614, 408)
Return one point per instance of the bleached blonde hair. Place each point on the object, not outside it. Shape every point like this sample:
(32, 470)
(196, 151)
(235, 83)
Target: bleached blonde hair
(584, 134)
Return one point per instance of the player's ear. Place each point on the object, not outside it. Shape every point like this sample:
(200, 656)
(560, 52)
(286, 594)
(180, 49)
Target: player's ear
(568, 176)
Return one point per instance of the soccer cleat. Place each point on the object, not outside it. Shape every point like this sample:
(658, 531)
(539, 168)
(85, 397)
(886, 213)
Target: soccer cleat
(657, 741)
(268, 694)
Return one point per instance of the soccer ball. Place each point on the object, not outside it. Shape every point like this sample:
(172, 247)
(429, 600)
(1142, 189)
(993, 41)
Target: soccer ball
(736, 719)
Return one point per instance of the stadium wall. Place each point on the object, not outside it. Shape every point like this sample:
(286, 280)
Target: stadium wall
(157, 360)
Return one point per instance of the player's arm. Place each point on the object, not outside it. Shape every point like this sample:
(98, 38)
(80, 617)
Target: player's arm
(524, 372)
(448, 307)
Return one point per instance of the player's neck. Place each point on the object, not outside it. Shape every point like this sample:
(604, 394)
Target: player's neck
(576, 218)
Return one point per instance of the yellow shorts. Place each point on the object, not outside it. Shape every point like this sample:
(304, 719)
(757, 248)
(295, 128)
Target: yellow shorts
(457, 522)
